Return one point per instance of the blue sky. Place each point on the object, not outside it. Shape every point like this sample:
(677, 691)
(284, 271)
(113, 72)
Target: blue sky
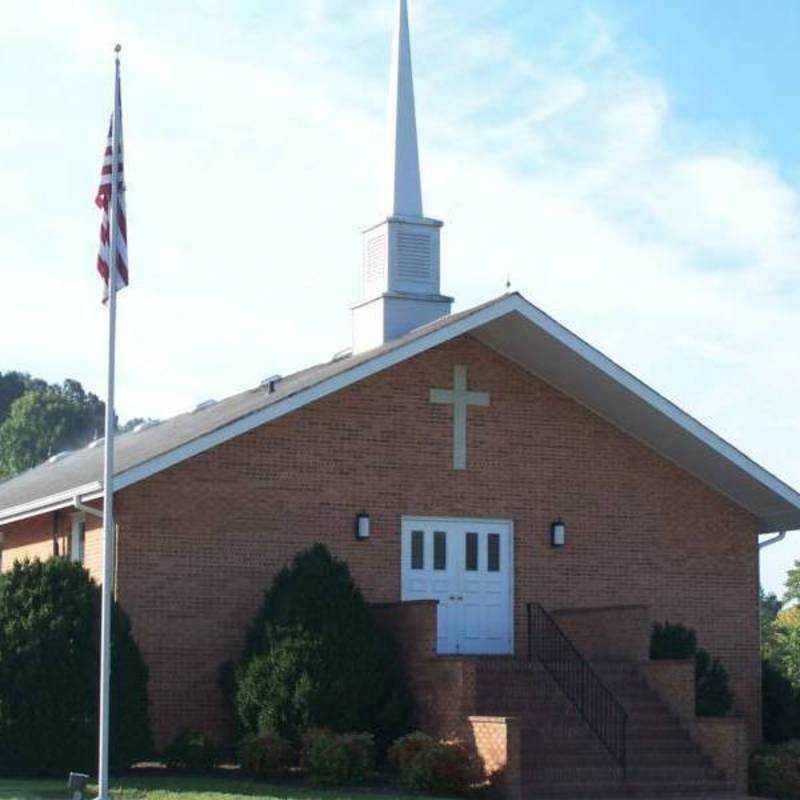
(634, 166)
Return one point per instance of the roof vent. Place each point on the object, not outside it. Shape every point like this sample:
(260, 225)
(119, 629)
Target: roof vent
(143, 426)
(96, 443)
(205, 404)
(58, 457)
(342, 354)
(269, 385)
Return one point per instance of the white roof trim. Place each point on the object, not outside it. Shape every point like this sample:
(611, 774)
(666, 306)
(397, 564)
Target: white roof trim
(507, 305)
(52, 502)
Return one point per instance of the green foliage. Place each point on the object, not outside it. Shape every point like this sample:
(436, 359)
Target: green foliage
(319, 658)
(712, 683)
(38, 420)
(14, 385)
(783, 648)
(780, 705)
(792, 591)
(42, 422)
(404, 750)
(769, 605)
(192, 750)
(440, 768)
(775, 771)
(714, 697)
(283, 689)
(266, 755)
(339, 759)
(49, 664)
(669, 641)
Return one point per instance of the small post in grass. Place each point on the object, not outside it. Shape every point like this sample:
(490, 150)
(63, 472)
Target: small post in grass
(76, 784)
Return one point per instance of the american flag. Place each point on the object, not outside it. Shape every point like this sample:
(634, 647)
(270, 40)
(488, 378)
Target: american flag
(103, 202)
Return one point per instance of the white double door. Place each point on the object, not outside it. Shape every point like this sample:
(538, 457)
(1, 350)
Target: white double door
(465, 564)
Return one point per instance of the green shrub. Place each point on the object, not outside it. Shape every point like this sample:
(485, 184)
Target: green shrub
(775, 771)
(281, 690)
(340, 759)
(266, 755)
(192, 750)
(712, 684)
(320, 658)
(441, 768)
(779, 705)
(713, 694)
(404, 750)
(49, 673)
(669, 641)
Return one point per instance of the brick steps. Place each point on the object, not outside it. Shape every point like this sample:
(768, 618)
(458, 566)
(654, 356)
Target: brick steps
(562, 757)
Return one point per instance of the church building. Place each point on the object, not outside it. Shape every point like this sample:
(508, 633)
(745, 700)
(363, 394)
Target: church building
(518, 508)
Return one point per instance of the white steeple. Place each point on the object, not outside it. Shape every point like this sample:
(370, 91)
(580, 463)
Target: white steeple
(400, 270)
(405, 193)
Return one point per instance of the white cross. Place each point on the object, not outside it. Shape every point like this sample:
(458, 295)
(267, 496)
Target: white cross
(459, 398)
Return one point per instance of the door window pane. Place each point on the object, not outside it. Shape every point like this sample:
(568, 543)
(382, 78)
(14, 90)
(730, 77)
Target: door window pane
(417, 550)
(493, 559)
(471, 560)
(439, 550)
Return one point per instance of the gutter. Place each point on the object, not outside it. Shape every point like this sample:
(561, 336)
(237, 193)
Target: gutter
(79, 505)
(774, 540)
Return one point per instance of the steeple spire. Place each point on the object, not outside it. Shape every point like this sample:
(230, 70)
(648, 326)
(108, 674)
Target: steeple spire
(400, 265)
(404, 187)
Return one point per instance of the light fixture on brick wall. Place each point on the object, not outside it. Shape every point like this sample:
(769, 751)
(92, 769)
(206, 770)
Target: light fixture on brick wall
(362, 526)
(558, 533)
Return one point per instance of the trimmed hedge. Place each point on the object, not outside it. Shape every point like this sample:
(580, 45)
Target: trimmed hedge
(191, 750)
(315, 658)
(267, 755)
(338, 759)
(713, 695)
(780, 704)
(49, 674)
(429, 765)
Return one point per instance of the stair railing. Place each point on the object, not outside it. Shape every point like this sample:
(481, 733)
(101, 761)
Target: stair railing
(598, 707)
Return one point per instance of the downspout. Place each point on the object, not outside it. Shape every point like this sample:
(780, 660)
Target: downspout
(79, 505)
(55, 533)
(774, 540)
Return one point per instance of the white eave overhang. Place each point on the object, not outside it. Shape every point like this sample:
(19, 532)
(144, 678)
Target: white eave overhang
(527, 336)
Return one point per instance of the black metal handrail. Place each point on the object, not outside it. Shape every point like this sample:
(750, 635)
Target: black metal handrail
(598, 707)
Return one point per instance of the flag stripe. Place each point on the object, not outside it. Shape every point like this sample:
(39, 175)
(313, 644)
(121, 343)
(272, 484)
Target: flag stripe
(103, 202)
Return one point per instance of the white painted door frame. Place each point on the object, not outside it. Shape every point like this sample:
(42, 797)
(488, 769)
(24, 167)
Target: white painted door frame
(450, 586)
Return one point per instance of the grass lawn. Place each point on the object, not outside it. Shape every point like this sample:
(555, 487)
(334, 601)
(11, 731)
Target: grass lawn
(180, 787)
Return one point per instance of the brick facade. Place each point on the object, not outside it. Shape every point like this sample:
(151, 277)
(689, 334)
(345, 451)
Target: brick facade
(199, 542)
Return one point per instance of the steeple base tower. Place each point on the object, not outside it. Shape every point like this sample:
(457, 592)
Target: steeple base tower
(400, 281)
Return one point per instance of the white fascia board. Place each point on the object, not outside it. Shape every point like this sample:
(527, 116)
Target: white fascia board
(657, 401)
(53, 502)
(316, 392)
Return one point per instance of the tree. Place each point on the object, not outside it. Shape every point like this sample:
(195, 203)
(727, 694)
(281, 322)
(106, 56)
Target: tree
(784, 646)
(768, 607)
(14, 385)
(49, 665)
(314, 657)
(792, 593)
(43, 422)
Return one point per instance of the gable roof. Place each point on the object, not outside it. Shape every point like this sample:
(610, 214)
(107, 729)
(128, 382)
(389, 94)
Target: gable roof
(510, 325)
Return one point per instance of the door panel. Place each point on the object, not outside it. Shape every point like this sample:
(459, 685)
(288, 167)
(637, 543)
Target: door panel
(466, 565)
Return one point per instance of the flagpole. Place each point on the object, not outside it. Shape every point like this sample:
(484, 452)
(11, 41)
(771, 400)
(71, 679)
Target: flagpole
(108, 466)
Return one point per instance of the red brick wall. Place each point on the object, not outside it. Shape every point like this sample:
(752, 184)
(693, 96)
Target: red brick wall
(33, 538)
(199, 542)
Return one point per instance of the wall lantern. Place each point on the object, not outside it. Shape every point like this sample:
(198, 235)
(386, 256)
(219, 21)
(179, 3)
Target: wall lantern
(558, 533)
(362, 526)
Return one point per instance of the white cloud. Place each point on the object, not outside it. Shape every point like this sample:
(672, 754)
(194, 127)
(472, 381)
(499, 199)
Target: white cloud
(254, 156)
